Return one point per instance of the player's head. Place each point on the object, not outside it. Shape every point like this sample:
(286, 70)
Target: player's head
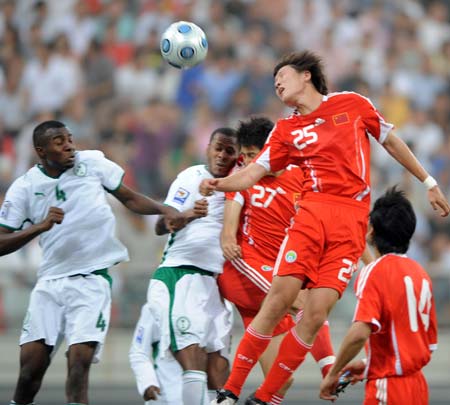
(222, 151)
(392, 222)
(252, 135)
(297, 70)
(53, 143)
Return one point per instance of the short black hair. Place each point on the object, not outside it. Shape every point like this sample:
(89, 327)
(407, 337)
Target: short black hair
(393, 221)
(230, 132)
(254, 131)
(306, 61)
(40, 131)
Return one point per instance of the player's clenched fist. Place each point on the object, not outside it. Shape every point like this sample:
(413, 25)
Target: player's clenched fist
(55, 215)
(208, 186)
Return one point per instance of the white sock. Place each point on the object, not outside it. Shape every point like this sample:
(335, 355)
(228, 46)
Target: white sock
(195, 390)
(212, 395)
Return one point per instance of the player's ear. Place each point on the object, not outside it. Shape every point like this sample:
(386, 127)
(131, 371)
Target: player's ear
(40, 151)
(307, 75)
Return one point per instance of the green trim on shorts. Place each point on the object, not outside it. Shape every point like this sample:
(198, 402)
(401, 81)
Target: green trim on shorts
(170, 276)
(104, 273)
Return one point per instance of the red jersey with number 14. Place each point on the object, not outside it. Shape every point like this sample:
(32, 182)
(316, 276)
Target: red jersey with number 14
(395, 297)
(331, 145)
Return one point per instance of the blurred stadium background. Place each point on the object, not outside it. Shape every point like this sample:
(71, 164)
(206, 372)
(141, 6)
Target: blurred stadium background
(95, 65)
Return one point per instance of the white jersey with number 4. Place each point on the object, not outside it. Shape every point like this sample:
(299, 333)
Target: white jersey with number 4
(85, 241)
(199, 243)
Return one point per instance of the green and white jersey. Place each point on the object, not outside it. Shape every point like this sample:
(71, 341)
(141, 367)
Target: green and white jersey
(85, 241)
(198, 243)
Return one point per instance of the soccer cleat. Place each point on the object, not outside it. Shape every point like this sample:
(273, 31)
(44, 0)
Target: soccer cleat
(252, 400)
(224, 397)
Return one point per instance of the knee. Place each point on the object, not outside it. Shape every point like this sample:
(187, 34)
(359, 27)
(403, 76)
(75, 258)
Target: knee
(315, 319)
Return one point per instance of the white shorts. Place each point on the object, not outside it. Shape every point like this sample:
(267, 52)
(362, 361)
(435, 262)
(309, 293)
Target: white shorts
(186, 303)
(76, 307)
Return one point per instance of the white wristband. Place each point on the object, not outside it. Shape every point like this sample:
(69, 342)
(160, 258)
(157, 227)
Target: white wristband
(430, 182)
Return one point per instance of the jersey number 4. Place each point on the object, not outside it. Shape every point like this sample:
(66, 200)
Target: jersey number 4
(423, 307)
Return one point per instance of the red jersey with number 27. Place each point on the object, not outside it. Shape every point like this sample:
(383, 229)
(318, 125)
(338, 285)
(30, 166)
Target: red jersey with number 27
(331, 145)
(268, 207)
(395, 297)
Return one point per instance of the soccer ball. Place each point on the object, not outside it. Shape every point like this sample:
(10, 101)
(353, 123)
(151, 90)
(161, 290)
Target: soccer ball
(184, 45)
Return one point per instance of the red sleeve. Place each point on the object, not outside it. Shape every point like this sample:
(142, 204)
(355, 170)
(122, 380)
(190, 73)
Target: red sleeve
(369, 306)
(432, 330)
(275, 154)
(373, 121)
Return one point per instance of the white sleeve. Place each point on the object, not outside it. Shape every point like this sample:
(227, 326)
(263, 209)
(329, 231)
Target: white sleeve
(110, 173)
(14, 210)
(183, 191)
(140, 354)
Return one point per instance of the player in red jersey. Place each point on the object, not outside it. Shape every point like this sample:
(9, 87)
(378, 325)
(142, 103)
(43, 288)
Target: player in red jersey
(255, 224)
(328, 137)
(395, 314)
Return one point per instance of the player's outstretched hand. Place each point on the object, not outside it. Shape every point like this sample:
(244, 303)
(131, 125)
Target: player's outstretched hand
(151, 393)
(328, 387)
(438, 201)
(55, 215)
(200, 208)
(208, 186)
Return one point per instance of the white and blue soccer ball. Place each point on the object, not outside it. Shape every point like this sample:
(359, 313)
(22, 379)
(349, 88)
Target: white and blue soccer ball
(184, 44)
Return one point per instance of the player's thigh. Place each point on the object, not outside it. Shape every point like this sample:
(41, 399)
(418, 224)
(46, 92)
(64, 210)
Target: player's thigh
(87, 302)
(43, 319)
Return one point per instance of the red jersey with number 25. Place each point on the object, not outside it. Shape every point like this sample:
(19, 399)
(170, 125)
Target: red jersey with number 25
(268, 207)
(331, 145)
(395, 297)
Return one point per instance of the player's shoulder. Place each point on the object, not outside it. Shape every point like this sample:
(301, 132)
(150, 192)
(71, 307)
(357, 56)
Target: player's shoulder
(90, 155)
(346, 97)
(287, 120)
(196, 171)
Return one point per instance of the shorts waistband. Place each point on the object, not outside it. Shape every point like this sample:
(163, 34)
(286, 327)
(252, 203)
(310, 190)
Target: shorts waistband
(334, 199)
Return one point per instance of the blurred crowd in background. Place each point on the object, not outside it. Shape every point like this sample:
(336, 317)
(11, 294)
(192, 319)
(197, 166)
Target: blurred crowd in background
(96, 66)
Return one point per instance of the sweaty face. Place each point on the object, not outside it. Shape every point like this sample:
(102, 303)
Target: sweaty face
(58, 151)
(290, 85)
(248, 153)
(222, 153)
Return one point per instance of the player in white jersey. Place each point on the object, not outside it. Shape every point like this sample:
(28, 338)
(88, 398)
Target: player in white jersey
(63, 198)
(183, 297)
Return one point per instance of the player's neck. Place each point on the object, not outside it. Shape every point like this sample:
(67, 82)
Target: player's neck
(309, 101)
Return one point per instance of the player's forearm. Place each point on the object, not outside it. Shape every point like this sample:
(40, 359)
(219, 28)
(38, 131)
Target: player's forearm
(352, 344)
(143, 370)
(243, 179)
(398, 149)
(143, 205)
(10, 242)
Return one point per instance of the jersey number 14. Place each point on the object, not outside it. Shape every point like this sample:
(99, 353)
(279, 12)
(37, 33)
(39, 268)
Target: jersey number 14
(422, 308)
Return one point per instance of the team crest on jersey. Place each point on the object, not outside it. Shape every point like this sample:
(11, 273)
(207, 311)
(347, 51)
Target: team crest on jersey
(5, 209)
(181, 195)
(140, 335)
(291, 256)
(266, 267)
(183, 323)
(80, 169)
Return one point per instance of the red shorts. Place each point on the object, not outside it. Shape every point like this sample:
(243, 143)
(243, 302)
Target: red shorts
(411, 389)
(324, 244)
(245, 283)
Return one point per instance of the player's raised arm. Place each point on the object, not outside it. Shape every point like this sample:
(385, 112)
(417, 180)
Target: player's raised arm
(238, 181)
(398, 149)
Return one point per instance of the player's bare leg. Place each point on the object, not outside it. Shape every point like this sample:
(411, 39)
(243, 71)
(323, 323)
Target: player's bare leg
(298, 342)
(79, 360)
(34, 361)
(194, 361)
(218, 371)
